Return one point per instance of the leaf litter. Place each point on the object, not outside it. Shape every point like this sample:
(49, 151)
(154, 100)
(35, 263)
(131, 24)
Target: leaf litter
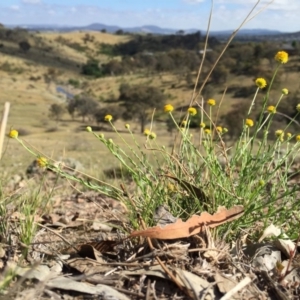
(81, 251)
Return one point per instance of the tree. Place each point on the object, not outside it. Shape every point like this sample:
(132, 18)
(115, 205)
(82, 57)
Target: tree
(139, 102)
(219, 74)
(24, 46)
(56, 111)
(83, 107)
(119, 32)
(115, 110)
(92, 68)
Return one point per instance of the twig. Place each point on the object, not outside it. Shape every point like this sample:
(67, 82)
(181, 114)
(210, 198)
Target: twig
(237, 288)
(3, 125)
(57, 234)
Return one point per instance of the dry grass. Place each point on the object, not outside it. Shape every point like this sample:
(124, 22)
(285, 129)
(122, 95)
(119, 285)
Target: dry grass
(77, 36)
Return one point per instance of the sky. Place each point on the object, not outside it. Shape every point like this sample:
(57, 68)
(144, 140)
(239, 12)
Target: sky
(282, 15)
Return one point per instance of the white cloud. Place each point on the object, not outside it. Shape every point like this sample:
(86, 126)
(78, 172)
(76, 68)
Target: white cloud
(31, 1)
(271, 5)
(15, 7)
(193, 1)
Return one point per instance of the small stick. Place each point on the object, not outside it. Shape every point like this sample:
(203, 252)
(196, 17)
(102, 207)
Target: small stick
(3, 125)
(237, 288)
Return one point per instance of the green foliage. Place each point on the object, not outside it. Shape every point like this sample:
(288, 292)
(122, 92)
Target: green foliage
(83, 107)
(24, 46)
(107, 49)
(158, 43)
(139, 102)
(56, 111)
(114, 110)
(92, 68)
(74, 82)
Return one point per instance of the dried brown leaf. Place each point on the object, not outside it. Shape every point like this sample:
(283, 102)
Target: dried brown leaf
(192, 226)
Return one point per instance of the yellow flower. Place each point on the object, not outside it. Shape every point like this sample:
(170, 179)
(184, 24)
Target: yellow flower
(108, 118)
(207, 131)
(225, 130)
(261, 182)
(298, 138)
(289, 135)
(127, 126)
(271, 109)
(298, 107)
(261, 83)
(152, 135)
(42, 162)
(219, 129)
(89, 129)
(211, 102)
(202, 125)
(282, 57)
(280, 134)
(171, 187)
(249, 123)
(147, 132)
(168, 108)
(13, 134)
(183, 123)
(192, 111)
(284, 91)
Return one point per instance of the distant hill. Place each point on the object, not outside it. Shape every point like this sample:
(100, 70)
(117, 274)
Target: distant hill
(144, 29)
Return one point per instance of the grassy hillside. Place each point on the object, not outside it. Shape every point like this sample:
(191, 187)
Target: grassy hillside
(28, 80)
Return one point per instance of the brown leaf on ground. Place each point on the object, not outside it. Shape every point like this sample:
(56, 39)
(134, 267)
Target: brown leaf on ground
(192, 226)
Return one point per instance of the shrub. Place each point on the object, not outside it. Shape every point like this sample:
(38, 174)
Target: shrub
(91, 68)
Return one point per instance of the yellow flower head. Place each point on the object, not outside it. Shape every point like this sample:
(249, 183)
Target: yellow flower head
(147, 132)
(284, 91)
(168, 108)
(211, 102)
(13, 134)
(89, 129)
(183, 123)
(282, 57)
(298, 138)
(202, 125)
(42, 162)
(207, 131)
(108, 118)
(225, 130)
(219, 129)
(127, 126)
(171, 187)
(152, 135)
(271, 109)
(261, 83)
(289, 135)
(249, 123)
(280, 134)
(192, 111)
(298, 107)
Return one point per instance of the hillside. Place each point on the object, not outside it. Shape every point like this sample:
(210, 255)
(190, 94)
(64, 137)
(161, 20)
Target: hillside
(32, 79)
